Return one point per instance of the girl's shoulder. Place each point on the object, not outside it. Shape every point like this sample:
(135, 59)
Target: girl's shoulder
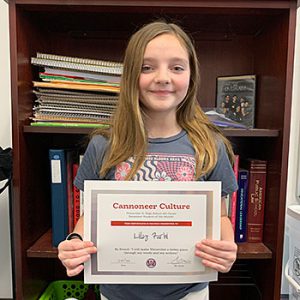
(97, 146)
(219, 143)
(98, 140)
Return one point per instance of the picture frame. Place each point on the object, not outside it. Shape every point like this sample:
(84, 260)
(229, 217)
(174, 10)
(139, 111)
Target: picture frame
(236, 97)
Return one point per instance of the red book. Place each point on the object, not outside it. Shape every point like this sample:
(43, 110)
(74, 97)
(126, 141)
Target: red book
(76, 197)
(256, 199)
(234, 194)
(69, 156)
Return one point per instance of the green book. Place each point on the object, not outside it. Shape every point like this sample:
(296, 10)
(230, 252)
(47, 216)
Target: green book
(59, 124)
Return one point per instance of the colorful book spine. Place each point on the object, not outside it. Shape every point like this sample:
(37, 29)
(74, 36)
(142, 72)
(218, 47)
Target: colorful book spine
(256, 199)
(70, 158)
(77, 86)
(81, 192)
(58, 195)
(80, 125)
(76, 196)
(234, 194)
(241, 209)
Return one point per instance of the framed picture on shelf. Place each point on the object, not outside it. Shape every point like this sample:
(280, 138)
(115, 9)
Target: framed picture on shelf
(236, 98)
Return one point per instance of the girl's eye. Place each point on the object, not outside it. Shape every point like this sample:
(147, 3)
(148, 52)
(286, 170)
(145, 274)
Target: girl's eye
(146, 68)
(178, 68)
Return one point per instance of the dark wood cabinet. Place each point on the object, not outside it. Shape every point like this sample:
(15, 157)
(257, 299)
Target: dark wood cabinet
(231, 38)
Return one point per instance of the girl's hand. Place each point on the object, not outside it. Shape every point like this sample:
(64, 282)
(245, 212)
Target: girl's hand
(74, 253)
(218, 255)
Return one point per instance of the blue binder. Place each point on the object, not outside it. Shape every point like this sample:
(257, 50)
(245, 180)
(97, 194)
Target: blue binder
(58, 195)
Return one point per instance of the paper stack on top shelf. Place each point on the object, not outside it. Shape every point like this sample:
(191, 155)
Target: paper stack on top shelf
(75, 90)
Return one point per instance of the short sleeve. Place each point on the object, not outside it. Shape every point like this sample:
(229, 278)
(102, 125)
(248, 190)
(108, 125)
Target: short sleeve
(92, 160)
(223, 172)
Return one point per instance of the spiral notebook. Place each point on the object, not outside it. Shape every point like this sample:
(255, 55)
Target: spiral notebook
(76, 63)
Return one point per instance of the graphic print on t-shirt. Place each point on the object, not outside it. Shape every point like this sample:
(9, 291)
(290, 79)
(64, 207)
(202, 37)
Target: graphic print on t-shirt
(160, 167)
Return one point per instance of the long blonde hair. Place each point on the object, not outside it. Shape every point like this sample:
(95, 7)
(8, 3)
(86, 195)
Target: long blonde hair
(127, 135)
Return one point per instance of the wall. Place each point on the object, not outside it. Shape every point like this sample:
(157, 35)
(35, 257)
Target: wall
(294, 151)
(5, 141)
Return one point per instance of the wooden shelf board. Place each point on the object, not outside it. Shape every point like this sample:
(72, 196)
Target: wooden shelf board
(43, 249)
(57, 130)
(253, 251)
(75, 130)
(256, 132)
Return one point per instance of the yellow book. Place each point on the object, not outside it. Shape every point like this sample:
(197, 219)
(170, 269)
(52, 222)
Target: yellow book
(77, 86)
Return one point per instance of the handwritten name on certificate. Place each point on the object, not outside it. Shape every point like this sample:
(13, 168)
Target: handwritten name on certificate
(146, 231)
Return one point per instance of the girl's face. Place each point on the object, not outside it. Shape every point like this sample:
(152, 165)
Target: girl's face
(165, 76)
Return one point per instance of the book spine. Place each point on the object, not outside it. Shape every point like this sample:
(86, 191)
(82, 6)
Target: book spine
(80, 125)
(76, 196)
(256, 200)
(70, 154)
(58, 195)
(241, 210)
(76, 86)
(81, 192)
(234, 194)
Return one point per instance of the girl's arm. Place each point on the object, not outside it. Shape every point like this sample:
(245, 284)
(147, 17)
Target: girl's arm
(74, 253)
(219, 255)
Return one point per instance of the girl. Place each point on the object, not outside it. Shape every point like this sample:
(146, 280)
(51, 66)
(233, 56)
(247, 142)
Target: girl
(159, 132)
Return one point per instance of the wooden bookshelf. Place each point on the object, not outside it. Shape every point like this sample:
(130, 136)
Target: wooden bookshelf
(43, 248)
(228, 131)
(231, 38)
(253, 251)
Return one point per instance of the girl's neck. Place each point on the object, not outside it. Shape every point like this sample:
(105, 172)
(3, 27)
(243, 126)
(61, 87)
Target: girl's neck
(161, 127)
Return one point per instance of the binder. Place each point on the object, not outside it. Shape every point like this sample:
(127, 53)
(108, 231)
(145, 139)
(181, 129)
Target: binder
(58, 195)
(242, 207)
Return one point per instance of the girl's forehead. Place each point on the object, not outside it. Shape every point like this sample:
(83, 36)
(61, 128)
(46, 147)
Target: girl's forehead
(166, 37)
(166, 41)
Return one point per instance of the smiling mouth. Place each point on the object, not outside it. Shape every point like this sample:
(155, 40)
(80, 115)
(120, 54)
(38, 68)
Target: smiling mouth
(161, 92)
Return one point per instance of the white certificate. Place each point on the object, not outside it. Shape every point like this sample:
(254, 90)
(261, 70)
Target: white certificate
(146, 231)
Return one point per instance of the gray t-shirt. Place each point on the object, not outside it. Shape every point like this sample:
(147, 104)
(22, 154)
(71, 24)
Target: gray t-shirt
(167, 159)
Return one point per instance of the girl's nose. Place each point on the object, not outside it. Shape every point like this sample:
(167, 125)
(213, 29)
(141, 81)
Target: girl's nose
(162, 76)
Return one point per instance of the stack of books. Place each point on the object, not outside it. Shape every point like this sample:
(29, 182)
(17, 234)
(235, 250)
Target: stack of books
(75, 90)
(245, 207)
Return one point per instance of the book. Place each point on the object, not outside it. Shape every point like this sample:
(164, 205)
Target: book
(256, 199)
(241, 207)
(58, 124)
(70, 116)
(80, 65)
(58, 195)
(82, 74)
(64, 78)
(89, 95)
(70, 157)
(81, 195)
(236, 98)
(233, 197)
(76, 197)
(79, 60)
(77, 86)
(61, 95)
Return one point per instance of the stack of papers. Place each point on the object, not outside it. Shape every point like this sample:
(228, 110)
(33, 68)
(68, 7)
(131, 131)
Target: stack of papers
(75, 90)
(221, 121)
(58, 105)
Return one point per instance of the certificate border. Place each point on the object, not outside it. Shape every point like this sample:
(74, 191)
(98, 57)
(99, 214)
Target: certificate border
(94, 209)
